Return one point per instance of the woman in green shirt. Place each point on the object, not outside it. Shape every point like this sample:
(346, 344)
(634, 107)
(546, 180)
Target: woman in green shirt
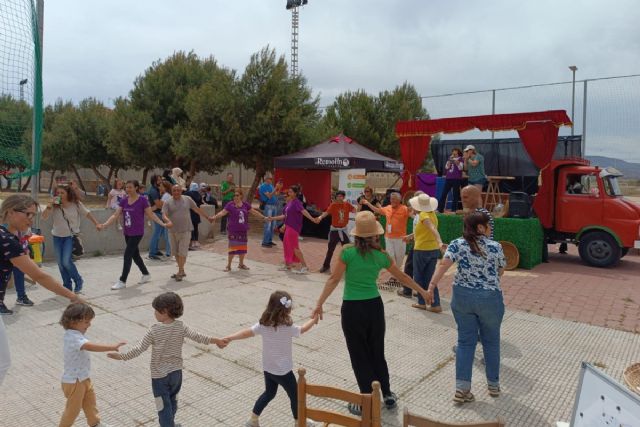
(362, 311)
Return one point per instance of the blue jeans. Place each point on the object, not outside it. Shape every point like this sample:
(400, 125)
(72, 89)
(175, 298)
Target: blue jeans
(63, 247)
(159, 232)
(18, 282)
(267, 234)
(424, 265)
(165, 391)
(477, 310)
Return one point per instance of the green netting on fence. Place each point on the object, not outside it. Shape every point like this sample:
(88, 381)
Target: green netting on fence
(20, 88)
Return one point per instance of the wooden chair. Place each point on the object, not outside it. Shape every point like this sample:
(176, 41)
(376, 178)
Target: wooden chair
(410, 419)
(370, 404)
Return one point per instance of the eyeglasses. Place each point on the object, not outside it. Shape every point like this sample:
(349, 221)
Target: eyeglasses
(29, 215)
(238, 195)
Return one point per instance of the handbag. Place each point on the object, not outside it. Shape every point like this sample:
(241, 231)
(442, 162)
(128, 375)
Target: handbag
(77, 249)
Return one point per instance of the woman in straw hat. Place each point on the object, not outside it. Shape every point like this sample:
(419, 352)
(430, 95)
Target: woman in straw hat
(363, 322)
(427, 247)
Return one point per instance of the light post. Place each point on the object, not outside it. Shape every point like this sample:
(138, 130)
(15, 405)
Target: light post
(293, 5)
(573, 69)
(22, 83)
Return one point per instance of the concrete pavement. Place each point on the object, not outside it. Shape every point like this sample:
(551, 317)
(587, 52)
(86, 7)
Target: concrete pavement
(540, 355)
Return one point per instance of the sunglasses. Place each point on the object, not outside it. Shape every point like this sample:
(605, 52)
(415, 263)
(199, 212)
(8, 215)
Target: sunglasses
(29, 215)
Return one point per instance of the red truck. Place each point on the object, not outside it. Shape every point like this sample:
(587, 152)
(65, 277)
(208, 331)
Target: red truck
(582, 204)
(576, 202)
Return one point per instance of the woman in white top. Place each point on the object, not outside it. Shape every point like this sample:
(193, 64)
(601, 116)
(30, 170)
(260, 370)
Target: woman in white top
(116, 194)
(66, 212)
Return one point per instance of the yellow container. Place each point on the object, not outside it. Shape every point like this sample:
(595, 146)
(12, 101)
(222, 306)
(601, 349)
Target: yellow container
(36, 243)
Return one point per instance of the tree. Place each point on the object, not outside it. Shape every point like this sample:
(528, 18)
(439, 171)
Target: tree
(278, 114)
(161, 94)
(371, 120)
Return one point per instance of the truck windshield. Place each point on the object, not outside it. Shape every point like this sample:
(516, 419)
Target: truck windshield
(611, 186)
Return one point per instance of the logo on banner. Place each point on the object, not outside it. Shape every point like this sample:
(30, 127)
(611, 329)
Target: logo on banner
(334, 162)
(393, 165)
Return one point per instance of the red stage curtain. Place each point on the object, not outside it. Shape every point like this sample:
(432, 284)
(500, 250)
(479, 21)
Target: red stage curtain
(540, 140)
(316, 184)
(414, 150)
(493, 122)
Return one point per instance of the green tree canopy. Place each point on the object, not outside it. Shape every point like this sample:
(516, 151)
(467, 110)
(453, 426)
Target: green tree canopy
(15, 132)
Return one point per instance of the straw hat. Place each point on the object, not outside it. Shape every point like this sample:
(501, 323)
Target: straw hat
(424, 203)
(366, 225)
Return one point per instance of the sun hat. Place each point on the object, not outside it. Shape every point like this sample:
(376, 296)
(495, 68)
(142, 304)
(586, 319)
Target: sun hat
(366, 225)
(424, 203)
(469, 147)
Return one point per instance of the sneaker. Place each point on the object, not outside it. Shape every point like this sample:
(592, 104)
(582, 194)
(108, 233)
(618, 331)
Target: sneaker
(283, 267)
(323, 270)
(265, 245)
(354, 409)
(251, 423)
(463, 396)
(401, 293)
(494, 390)
(390, 400)
(301, 270)
(155, 257)
(272, 244)
(119, 285)
(24, 301)
(4, 309)
(146, 278)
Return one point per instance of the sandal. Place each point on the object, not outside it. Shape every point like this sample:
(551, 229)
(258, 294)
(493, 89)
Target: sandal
(227, 269)
(354, 409)
(243, 267)
(463, 396)
(419, 306)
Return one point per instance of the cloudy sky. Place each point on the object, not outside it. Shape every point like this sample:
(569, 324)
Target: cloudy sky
(441, 46)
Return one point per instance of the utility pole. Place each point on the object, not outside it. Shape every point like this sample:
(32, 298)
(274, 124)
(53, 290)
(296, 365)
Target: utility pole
(37, 104)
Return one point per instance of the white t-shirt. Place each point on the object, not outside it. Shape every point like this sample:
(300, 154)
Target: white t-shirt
(73, 213)
(77, 363)
(277, 354)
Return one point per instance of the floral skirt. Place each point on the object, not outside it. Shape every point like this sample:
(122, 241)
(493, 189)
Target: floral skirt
(237, 243)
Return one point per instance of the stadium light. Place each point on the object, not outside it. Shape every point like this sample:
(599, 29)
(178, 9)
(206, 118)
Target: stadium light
(295, 3)
(22, 83)
(573, 69)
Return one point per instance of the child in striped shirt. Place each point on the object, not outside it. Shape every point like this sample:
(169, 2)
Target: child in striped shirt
(166, 339)
(277, 330)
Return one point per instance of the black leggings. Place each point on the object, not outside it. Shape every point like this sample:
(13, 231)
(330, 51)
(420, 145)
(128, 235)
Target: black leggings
(363, 325)
(132, 253)
(271, 382)
(334, 239)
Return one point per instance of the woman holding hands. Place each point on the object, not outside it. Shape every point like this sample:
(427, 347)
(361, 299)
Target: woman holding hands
(362, 312)
(133, 209)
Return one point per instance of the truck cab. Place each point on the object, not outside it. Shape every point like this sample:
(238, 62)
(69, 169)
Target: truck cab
(583, 204)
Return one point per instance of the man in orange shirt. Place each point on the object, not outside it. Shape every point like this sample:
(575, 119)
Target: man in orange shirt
(339, 211)
(397, 215)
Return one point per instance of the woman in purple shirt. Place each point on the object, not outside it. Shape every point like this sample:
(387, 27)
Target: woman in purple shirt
(453, 179)
(237, 227)
(133, 209)
(293, 212)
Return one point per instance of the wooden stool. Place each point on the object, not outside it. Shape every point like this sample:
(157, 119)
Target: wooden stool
(492, 196)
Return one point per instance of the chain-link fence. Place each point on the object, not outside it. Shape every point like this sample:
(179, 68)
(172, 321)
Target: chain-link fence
(610, 124)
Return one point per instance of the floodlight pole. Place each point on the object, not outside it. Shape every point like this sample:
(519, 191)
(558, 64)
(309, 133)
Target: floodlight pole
(35, 178)
(295, 21)
(573, 69)
(22, 83)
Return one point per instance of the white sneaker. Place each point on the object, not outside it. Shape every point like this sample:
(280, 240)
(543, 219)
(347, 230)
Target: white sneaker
(144, 279)
(301, 270)
(283, 267)
(119, 285)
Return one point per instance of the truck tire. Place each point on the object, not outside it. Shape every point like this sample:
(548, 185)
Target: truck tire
(599, 249)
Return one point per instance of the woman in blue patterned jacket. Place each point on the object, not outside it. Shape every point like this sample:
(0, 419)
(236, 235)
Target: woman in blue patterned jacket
(476, 301)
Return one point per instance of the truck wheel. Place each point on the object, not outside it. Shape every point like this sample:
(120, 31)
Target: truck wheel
(599, 249)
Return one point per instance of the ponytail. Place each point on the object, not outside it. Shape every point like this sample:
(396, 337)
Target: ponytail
(471, 233)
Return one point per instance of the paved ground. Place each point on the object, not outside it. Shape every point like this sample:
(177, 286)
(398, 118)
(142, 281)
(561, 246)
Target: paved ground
(540, 363)
(564, 288)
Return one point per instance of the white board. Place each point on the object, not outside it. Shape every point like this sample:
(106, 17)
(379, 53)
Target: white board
(603, 402)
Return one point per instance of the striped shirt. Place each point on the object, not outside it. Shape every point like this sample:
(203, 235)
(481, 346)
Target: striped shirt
(166, 340)
(277, 354)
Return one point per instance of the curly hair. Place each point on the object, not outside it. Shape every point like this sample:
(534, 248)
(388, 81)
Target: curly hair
(76, 312)
(277, 313)
(169, 303)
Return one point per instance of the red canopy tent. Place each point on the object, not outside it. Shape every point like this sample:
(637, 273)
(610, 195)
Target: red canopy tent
(538, 132)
